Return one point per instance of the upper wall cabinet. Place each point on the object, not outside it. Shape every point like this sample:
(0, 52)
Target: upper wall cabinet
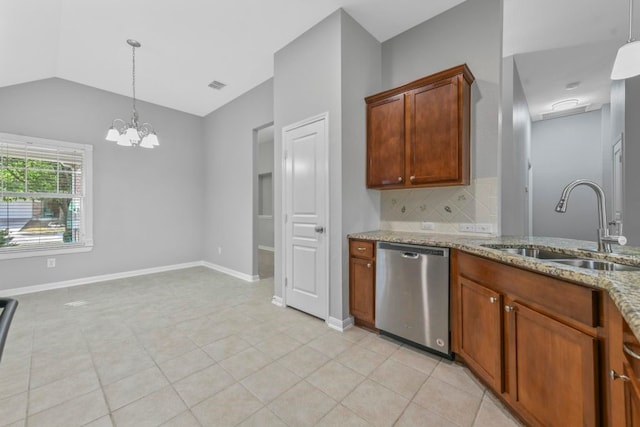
(418, 134)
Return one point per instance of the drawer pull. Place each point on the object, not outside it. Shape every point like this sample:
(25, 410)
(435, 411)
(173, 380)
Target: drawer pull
(509, 308)
(399, 179)
(368, 265)
(630, 352)
(361, 249)
(614, 376)
(493, 299)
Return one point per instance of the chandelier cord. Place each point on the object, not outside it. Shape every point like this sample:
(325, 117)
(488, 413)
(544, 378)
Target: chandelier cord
(630, 20)
(133, 55)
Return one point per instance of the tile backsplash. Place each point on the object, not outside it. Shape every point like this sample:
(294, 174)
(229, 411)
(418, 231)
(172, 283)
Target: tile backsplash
(445, 207)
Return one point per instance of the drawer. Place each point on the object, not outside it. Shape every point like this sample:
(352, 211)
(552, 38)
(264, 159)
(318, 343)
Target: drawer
(557, 296)
(362, 248)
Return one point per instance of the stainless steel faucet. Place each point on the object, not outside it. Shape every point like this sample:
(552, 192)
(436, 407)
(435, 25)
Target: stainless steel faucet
(604, 238)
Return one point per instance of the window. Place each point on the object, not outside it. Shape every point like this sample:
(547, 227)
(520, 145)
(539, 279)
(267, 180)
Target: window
(45, 197)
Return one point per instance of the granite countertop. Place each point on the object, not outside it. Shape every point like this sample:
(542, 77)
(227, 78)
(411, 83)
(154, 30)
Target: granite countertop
(622, 286)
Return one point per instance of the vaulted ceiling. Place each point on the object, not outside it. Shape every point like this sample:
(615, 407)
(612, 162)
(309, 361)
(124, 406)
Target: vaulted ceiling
(186, 44)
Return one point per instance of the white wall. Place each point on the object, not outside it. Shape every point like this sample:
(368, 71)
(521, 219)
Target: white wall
(516, 144)
(230, 211)
(563, 150)
(147, 203)
(468, 33)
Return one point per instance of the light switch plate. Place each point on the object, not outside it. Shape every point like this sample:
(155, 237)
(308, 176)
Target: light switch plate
(484, 228)
(466, 228)
(427, 226)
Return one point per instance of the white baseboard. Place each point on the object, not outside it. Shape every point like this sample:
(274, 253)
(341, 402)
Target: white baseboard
(266, 248)
(278, 301)
(96, 279)
(340, 325)
(230, 272)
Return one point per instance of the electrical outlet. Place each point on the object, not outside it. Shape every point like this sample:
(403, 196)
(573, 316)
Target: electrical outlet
(466, 228)
(484, 228)
(427, 226)
(51, 262)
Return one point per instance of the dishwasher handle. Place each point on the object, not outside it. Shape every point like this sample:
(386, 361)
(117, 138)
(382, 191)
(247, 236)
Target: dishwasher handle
(410, 255)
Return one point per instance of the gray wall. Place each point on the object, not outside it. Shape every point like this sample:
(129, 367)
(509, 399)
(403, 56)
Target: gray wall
(470, 32)
(563, 150)
(631, 209)
(147, 203)
(516, 143)
(230, 211)
(265, 196)
(361, 76)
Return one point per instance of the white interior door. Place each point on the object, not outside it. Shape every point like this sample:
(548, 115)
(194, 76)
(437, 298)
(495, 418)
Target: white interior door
(306, 207)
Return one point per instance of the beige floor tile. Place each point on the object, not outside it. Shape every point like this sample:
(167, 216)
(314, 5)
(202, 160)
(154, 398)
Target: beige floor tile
(458, 376)
(60, 391)
(330, 344)
(14, 376)
(416, 415)
(226, 347)
(116, 365)
(448, 401)
(270, 382)
(203, 384)
(335, 379)
(78, 411)
(263, 418)
(13, 408)
(308, 331)
(303, 361)
(302, 405)
(53, 366)
(185, 365)
(491, 414)
(416, 359)
(170, 349)
(20, 423)
(357, 334)
(375, 403)
(402, 379)
(101, 422)
(360, 359)
(135, 387)
(185, 419)
(278, 346)
(229, 407)
(343, 417)
(152, 410)
(245, 363)
(380, 344)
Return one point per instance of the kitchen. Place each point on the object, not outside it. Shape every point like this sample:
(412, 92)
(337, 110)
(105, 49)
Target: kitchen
(372, 67)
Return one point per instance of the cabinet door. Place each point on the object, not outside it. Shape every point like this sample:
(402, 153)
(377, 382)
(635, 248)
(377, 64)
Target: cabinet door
(434, 155)
(631, 398)
(551, 369)
(480, 337)
(386, 142)
(362, 295)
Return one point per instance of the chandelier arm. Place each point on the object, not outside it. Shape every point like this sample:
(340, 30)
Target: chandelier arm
(124, 125)
(133, 56)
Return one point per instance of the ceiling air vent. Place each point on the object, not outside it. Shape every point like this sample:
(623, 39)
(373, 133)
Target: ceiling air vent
(564, 113)
(216, 85)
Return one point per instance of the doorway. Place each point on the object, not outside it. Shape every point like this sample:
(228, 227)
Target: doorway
(264, 237)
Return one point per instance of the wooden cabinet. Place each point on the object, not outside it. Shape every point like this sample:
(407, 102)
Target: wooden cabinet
(623, 374)
(511, 329)
(418, 135)
(362, 291)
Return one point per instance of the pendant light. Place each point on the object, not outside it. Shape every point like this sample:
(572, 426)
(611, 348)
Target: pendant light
(133, 134)
(627, 63)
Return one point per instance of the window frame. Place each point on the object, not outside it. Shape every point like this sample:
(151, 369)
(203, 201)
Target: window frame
(86, 213)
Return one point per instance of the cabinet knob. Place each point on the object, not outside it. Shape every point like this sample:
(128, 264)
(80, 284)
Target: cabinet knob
(412, 178)
(614, 376)
(493, 299)
(368, 265)
(399, 179)
(509, 308)
(359, 249)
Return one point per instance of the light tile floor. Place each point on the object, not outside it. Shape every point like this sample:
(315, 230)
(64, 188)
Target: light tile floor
(197, 348)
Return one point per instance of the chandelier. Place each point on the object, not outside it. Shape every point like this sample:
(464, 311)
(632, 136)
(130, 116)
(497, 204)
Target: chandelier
(133, 133)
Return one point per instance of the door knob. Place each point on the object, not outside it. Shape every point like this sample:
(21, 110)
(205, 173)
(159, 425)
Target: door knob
(319, 229)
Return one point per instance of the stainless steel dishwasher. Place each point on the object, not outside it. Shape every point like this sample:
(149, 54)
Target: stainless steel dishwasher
(412, 294)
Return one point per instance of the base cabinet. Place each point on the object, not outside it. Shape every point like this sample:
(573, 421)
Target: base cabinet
(362, 272)
(541, 362)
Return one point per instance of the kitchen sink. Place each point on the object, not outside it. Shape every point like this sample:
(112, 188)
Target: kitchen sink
(592, 264)
(534, 253)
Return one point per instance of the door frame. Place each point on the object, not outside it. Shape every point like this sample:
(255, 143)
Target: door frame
(285, 198)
